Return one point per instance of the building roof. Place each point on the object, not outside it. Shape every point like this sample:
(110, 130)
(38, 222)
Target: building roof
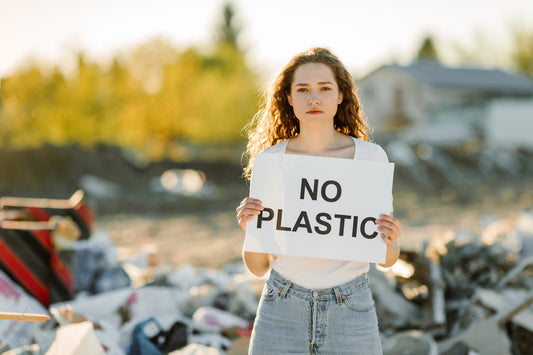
(490, 80)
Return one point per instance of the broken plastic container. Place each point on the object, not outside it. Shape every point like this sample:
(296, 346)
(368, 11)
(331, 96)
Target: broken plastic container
(209, 319)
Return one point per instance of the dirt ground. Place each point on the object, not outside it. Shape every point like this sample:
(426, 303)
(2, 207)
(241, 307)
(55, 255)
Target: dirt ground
(213, 238)
(209, 240)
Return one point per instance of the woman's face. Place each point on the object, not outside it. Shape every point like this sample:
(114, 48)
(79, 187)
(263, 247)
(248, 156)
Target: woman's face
(314, 93)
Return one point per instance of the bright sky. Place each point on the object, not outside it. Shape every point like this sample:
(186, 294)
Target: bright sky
(363, 33)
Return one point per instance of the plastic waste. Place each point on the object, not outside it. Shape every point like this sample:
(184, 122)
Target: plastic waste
(32, 349)
(15, 299)
(142, 340)
(213, 340)
(209, 319)
(410, 342)
(87, 257)
(197, 349)
(4, 347)
(110, 279)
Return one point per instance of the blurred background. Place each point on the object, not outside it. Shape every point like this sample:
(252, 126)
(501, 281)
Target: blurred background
(142, 106)
(121, 136)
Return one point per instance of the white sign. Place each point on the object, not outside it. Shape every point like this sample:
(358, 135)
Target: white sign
(319, 207)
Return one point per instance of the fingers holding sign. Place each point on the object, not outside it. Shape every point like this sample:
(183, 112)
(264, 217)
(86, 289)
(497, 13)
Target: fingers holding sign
(390, 228)
(247, 210)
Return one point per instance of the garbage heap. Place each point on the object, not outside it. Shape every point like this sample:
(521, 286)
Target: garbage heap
(135, 307)
(457, 294)
(461, 293)
(53, 263)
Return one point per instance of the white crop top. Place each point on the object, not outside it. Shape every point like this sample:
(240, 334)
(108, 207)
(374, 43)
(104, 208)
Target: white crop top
(317, 273)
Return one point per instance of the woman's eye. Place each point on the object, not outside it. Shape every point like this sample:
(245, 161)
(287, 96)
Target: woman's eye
(302, 90)
(326, 88)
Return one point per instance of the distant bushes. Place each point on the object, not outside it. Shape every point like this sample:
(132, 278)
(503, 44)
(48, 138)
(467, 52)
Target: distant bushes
(153, 100)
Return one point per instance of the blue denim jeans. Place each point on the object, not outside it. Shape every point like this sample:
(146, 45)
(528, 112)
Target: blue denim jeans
(294, 320)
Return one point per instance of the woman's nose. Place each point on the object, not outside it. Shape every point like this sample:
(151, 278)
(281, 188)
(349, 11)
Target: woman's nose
(313, 99)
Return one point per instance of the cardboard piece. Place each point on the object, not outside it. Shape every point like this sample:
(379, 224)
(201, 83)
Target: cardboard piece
(319, 207)
(76, 339)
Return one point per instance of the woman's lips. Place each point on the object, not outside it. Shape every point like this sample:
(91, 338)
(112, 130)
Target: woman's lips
(314, 111)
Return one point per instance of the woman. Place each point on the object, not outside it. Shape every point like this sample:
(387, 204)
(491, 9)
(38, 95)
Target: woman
(313, 305)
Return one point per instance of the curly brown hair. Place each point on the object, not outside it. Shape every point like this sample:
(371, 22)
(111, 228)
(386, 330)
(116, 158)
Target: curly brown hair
(276, 122)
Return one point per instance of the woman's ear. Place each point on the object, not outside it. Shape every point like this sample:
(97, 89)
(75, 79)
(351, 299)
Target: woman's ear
(341, 97)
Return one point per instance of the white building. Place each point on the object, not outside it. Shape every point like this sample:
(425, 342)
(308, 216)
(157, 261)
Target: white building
(440, 104)
(509, 124)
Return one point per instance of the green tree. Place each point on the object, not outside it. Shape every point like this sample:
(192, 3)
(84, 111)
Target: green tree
(482, 51)
(521, 55)
(153, 99)
(427, 50)
(227, 31)
(27, 96)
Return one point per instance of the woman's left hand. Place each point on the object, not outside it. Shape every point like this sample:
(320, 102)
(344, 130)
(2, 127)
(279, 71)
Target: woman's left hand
(390, 228)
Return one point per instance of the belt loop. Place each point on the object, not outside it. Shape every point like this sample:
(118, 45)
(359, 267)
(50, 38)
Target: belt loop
(285, 289)
(337, 294)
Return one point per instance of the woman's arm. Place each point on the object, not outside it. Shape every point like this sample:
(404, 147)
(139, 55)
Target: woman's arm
(257, 263)
(393, 252)
(391, 231)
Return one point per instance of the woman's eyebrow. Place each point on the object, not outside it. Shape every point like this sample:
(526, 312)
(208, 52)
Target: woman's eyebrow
(319, 83)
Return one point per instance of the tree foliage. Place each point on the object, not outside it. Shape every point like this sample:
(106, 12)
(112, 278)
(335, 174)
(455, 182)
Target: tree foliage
(479, 51)
(522, 51)
(227, 31)
(482, 51)
(153, 99)
(427, 50)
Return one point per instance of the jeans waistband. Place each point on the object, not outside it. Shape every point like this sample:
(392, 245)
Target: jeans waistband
(286, 286)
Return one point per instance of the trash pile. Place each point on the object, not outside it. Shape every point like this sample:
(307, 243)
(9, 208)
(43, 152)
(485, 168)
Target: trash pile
(182, 311)
(461, 294)
(436, 166)
(99, 305)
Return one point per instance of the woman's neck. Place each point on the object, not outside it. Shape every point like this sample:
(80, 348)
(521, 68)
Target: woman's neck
(317, 142)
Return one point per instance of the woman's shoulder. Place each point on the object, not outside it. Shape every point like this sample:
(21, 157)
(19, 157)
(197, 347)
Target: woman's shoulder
(365, 150)
(278, 148)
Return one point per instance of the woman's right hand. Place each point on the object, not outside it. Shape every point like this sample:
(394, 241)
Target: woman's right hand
(247, 210)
